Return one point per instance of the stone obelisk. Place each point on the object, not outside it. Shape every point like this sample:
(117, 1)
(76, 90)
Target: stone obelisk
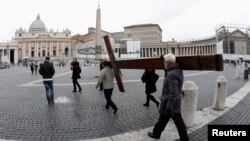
(98, 47)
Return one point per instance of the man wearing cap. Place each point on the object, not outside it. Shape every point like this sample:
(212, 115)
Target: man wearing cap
(47, 71)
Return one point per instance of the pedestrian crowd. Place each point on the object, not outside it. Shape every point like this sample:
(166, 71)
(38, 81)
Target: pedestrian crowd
(170, 100)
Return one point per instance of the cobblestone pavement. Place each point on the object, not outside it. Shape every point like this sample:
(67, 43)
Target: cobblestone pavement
(25, 115)
(238, 115)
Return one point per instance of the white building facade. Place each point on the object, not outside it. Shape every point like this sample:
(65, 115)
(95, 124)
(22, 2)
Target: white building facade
(9, 52)
(38, 42)
(151, 44)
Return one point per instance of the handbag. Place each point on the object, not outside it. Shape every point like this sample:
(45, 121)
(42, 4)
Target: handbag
(78, 77)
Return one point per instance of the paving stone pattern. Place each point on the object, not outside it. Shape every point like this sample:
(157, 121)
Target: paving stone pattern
(25, 115)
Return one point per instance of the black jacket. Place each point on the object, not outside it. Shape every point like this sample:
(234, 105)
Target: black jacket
(76, 70)
(150, 78)
(47, 70)
(171, 92)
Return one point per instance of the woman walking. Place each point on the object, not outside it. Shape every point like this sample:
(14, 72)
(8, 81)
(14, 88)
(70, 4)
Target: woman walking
(76, 70)
(149, 77)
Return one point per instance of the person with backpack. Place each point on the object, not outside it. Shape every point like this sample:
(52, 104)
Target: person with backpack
(76, 70)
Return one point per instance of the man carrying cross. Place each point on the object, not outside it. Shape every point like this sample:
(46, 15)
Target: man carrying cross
(171, 98)
(170, 106)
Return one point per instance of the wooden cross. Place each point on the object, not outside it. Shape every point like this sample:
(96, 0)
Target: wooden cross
(198, 62)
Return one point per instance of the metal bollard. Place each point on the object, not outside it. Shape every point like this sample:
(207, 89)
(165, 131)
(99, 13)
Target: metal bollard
(189, 102)
(220, 93)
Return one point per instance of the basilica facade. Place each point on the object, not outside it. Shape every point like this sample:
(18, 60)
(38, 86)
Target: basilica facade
(39, 42)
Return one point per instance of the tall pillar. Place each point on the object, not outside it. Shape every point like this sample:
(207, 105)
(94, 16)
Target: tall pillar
(57, 50)
(36, 49)
(29, 48)
(15, 56)
(23, 49)
(98, 50)
(145, 52)
(69, 50)
(176, 51)
(148, 55)
(46, 48)
(51, 48)
(63, 47)
(150, 52)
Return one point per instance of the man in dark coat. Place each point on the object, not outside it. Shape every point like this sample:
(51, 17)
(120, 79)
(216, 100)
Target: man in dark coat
(76, 70)
(170, 106)
(47, 71)
(149, 78)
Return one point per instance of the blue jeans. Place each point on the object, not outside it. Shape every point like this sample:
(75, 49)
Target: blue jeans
(49, 90)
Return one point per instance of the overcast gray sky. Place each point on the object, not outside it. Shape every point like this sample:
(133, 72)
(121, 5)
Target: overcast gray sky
(179, 19)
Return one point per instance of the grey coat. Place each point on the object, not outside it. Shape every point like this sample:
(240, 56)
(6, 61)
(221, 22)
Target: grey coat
(106, 77)
(171, 92)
